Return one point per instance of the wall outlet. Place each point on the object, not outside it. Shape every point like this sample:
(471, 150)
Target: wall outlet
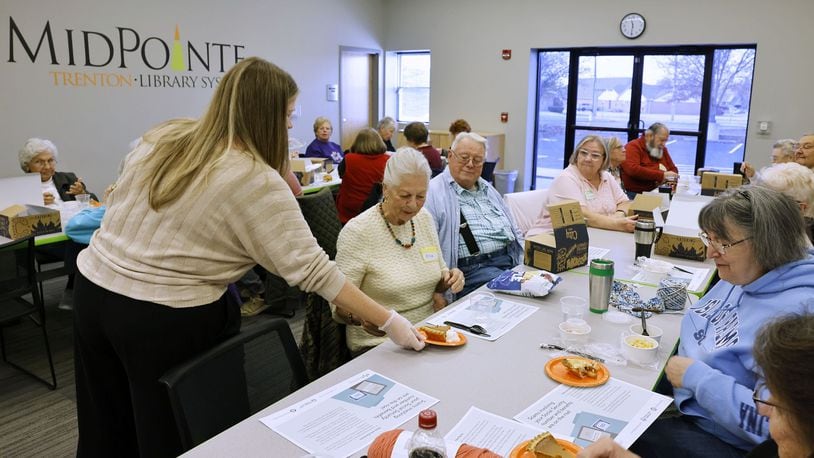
(764, 127)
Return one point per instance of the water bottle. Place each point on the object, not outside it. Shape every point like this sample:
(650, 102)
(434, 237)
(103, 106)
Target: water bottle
(600, 283)
(426, 442)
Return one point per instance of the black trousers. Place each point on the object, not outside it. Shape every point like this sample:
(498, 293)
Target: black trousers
(121, 348)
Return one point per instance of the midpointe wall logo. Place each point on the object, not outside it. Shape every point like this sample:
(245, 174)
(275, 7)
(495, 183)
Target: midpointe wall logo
(92, 58)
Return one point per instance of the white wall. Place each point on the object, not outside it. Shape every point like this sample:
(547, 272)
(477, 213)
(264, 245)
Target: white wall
(470, 80)
(92, 126)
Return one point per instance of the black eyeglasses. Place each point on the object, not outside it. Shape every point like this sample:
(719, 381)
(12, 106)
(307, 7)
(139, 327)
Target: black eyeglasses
(759, 395)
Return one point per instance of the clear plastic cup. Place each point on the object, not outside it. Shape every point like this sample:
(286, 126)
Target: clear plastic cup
(483, 305)
(83, 199)
(573, 307)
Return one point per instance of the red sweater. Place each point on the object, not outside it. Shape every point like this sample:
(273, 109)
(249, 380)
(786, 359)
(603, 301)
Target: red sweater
(361, 171)
(640, 172)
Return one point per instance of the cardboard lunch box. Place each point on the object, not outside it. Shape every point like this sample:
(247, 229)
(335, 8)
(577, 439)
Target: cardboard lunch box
(306, 168)
(564, 249)
(680, 237)
(19, 221)
(713, 183)
(644, 204)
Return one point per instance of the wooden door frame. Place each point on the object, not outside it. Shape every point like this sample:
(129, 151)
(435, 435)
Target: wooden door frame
(376, 94)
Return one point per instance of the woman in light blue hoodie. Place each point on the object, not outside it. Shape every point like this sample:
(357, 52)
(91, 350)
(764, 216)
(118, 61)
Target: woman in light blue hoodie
(757, 239)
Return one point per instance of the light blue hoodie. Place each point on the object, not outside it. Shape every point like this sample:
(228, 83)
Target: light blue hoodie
(718, 332)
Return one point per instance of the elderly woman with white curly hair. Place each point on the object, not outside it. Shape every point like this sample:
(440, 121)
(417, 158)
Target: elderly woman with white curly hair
(40, 156)
(795, 181)
(391, 252)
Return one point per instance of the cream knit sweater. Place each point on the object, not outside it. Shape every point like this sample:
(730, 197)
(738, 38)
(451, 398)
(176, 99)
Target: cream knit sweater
(390, 274)
(185, 254)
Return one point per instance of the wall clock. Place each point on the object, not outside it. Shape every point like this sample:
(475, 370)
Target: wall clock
(632, 25)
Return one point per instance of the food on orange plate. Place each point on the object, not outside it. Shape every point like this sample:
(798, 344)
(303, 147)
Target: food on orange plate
(546, 446)
(581, 367)
(437, 333)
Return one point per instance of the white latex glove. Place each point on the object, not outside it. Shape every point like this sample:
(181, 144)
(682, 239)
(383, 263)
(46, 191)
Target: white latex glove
(402, 332)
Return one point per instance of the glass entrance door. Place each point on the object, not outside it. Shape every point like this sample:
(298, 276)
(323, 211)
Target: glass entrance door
(603, 100)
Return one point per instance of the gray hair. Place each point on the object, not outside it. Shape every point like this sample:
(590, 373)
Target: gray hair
(762, 214)
(786, 146)
(591, 139)
(320, 121)
(471, 136)
(33, 147)
(405, 161)
(657, 127)
(386, 123)
(793, 180)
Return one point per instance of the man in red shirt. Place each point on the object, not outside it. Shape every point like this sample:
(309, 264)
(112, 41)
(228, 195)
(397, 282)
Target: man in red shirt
(648, 164)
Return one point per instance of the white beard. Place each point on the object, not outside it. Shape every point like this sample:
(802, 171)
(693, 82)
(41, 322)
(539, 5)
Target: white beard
(655, 153)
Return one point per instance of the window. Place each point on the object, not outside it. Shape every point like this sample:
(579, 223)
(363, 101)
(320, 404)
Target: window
(413, 89)
(701, 93)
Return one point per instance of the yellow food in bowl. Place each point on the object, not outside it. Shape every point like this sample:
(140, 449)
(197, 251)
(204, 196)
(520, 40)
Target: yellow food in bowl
(638, 342)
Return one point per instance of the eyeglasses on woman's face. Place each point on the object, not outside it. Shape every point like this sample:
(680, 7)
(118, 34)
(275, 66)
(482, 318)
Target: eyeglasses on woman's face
(761, 396)
(584, 153)
(718, 246)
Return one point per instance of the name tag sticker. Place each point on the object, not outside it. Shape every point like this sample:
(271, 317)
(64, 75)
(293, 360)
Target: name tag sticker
(429, 254)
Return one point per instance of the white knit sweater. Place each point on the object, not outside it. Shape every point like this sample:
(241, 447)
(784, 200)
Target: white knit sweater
(396, 277)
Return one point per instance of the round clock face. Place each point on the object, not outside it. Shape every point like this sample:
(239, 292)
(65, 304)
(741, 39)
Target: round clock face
(632, 25)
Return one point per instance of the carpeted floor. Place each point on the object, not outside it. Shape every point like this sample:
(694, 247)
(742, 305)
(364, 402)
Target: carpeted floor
(35, 421)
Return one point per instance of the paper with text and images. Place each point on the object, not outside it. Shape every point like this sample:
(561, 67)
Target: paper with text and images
(501, 318)
(498, 434)
(595, 252)
(346, 417)
(616, 409)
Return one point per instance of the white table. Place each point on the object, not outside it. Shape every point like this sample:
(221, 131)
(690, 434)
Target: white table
(622, 251)
(503, 377)
(319, 183)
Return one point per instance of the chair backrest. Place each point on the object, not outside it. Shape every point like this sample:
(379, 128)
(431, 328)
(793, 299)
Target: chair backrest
(17, 274)
(235, 379)
(488, 172)
(526, 207)
(319, 210)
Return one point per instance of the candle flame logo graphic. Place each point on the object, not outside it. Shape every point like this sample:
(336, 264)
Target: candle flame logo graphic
(177, 57)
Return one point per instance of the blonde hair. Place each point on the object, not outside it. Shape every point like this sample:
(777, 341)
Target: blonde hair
(249, 112)
(320, 121)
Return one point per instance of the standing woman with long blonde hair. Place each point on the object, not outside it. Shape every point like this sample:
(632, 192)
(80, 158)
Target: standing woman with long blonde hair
(198, 204)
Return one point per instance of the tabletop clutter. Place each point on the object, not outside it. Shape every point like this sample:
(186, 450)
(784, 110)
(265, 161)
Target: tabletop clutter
(584, 352)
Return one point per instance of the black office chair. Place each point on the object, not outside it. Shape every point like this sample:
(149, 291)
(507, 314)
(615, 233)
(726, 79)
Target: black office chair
(488, 172)
(234, 380)
(17, 280)
(323, 345)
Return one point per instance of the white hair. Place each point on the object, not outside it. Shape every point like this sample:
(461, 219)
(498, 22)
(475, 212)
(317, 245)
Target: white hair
(387, 122)
(33, 147)
(405, 161)
(471, 136)
(793, 180)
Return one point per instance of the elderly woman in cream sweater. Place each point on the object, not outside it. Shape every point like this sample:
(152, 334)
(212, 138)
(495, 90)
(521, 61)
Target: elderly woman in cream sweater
(391, 252)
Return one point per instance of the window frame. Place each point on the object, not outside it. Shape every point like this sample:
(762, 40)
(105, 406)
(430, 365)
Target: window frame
(634, 129)
(399, 86)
